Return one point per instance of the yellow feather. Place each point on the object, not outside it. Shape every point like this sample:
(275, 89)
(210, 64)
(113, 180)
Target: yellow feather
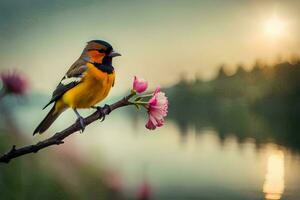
(93, 88)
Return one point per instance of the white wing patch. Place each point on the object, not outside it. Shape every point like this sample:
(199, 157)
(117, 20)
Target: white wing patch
(68, 80)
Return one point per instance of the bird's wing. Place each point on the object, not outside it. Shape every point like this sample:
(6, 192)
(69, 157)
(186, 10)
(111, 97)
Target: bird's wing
(72, 78)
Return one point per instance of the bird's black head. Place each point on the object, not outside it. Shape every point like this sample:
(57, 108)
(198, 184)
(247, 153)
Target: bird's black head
(99, 51)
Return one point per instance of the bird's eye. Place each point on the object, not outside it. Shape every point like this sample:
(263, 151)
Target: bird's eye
(101, 51)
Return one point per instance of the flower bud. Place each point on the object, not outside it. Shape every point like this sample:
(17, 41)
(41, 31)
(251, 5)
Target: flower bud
(139, 85)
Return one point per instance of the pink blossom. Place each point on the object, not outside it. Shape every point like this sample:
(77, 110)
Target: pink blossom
(144, 192)
(13, 82)
(157, 109)
(139, 85)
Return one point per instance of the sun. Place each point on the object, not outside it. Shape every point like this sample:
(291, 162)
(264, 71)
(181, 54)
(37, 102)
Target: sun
(274, 27)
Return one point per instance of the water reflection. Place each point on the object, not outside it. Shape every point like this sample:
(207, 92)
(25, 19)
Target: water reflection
(197, 163)
(274, 182)
(202, 166)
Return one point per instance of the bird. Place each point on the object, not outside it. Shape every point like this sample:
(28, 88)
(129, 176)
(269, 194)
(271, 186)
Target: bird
(86, 83)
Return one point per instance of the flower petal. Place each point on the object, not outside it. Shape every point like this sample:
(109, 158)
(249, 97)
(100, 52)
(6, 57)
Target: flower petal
(157, 109)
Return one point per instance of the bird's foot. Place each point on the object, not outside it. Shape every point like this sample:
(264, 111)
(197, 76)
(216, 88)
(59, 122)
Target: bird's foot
(101, 110)
(82, 124)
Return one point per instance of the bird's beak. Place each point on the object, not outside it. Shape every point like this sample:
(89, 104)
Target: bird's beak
(114, 54)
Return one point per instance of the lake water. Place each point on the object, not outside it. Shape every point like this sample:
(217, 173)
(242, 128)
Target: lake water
(177, 164)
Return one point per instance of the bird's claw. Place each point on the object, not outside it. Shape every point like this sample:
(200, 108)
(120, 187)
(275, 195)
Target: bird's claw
(102, 118)
(82, 124)
(101, 110)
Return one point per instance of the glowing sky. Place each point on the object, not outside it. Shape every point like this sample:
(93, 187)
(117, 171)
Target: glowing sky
(159, 40)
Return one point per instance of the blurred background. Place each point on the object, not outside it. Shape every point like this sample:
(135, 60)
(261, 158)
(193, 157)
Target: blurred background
(231, 70)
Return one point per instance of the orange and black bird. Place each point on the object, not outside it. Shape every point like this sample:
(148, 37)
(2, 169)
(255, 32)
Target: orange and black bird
(86, 83)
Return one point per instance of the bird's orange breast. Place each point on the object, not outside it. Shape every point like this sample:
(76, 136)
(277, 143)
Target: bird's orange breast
(93, 88)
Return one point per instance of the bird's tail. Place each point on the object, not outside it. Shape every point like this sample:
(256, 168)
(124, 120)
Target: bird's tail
(48, 120)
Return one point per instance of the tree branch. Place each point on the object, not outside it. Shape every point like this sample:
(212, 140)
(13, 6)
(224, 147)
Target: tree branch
(58, 137)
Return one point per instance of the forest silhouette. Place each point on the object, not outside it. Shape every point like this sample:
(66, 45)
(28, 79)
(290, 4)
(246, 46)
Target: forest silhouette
(262, 103)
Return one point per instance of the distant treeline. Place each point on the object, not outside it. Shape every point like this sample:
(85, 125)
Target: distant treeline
(275, 87)
(260, 103)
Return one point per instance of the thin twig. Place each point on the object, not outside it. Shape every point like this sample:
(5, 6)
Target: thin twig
(58, 137)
